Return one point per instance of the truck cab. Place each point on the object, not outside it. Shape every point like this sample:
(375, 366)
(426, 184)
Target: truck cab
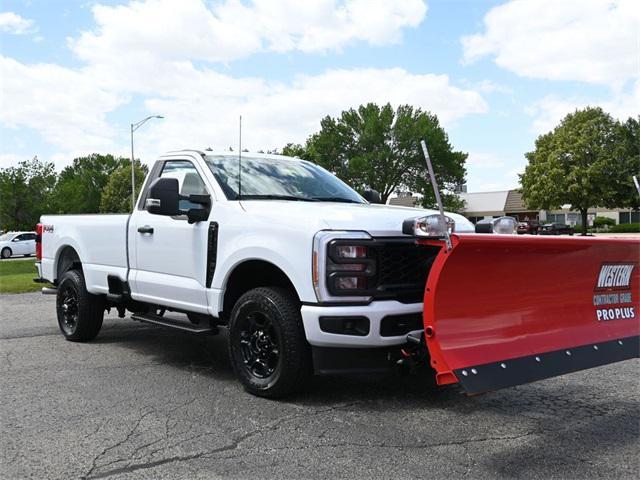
(305, 273)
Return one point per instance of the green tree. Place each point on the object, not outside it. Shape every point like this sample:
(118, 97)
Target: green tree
(79, 187)
(379, 148)
(626, 195)
(25, 193)
(586, 161)
(293, 150)
(116, 195)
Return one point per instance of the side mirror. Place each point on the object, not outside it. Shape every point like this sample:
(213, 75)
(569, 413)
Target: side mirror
(164, 198)
(372, 196)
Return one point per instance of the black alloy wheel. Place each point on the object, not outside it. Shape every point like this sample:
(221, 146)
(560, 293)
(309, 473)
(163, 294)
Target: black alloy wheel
(259, 344)
(267, 345)
(68, 307)
(79, 312)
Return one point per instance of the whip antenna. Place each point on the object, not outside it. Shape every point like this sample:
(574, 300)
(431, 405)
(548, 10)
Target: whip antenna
(240, 159)
(436, 191)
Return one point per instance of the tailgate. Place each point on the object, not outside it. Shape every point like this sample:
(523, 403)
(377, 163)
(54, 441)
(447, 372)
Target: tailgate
(506, 310)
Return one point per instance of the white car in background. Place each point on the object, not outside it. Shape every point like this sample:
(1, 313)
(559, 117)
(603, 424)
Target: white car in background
(17, 243)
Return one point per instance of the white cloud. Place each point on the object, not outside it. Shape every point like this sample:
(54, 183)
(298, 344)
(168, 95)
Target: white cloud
(148, 51)
(482, 160)
(189, 29)
(13, 23)
(550, 110)
(277, 113)
(505, 181)
(488, 171)
(202, 106)
(593, 41)
(10, 159)
(66, 107)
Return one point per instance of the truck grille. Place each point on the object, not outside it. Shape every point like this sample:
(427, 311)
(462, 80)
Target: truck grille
(402, 269)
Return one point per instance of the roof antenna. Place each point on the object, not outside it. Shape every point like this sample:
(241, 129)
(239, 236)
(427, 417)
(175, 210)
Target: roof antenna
(240, 160)
(436, 191)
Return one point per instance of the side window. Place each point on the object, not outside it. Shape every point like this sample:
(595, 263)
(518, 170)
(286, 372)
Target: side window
(29, 236)
(189, 180)
(20, 238)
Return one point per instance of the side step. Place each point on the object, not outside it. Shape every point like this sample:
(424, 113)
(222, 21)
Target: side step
(176, 324)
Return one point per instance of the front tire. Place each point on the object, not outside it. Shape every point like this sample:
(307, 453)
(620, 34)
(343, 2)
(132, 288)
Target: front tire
(6, 253)
(267, 346)
(80, 313)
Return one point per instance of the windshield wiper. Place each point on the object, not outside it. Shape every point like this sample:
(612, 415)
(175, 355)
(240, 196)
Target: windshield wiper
(335, 199)
(275, 197)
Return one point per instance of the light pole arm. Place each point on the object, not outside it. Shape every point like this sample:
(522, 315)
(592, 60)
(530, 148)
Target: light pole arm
(134, 127)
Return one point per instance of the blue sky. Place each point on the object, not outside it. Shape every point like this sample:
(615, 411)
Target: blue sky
(497, 74)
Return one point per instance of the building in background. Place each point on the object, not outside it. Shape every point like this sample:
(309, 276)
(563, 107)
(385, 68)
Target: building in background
(484, 205)
(481, 205)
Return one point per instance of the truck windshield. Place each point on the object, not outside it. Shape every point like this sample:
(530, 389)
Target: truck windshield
(278, 179)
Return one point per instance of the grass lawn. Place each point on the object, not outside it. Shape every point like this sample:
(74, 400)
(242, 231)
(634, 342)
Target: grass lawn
(16, 276)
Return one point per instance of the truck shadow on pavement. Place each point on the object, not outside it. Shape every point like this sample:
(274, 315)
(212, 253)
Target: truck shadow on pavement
(209, 354)
(571, 426)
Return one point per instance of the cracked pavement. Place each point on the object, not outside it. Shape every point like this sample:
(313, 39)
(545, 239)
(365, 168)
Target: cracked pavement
(145, 402)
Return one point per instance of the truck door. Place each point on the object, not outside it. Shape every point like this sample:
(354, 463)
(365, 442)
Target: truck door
(169, 262)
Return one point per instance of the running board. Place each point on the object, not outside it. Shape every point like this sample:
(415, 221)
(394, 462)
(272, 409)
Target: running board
(176, 324)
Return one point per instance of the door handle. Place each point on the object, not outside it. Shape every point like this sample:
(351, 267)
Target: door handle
(146, 229)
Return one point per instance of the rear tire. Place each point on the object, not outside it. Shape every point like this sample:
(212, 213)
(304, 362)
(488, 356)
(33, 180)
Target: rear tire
(267, 346)
(80, 313)
(6, 253)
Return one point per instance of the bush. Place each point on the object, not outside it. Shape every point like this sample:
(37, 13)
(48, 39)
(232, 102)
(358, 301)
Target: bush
(600, 222)
(626, 228)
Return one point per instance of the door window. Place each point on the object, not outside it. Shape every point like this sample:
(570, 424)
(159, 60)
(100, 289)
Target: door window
(189, 180)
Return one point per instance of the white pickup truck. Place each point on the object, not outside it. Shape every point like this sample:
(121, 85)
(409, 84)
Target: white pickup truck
(305, 273)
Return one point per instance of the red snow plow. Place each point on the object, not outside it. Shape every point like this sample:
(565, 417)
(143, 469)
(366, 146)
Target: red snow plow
(490, 324)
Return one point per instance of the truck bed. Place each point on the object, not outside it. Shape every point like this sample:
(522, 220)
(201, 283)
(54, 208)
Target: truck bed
(99, 239)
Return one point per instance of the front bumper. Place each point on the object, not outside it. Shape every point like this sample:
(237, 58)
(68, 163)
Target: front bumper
(375, 312)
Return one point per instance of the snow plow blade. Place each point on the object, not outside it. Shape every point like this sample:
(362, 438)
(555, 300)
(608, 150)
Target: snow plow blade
(503, 310)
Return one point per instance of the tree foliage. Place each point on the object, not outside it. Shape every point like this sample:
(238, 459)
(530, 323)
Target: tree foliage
(587, 161)
(25, 193)
(379, 148)
(116, 195)
(80, 185)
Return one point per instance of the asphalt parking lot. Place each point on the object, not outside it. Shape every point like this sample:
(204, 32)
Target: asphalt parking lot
(144, 402)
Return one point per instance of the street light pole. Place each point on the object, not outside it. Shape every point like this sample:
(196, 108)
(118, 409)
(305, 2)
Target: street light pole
(133, 175)
(134, 127)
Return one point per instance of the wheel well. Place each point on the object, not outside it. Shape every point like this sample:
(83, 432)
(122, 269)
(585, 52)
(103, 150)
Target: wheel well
(67, 260)
(249, 275)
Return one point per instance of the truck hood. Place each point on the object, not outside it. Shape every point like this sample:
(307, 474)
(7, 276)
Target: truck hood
(377, 220)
